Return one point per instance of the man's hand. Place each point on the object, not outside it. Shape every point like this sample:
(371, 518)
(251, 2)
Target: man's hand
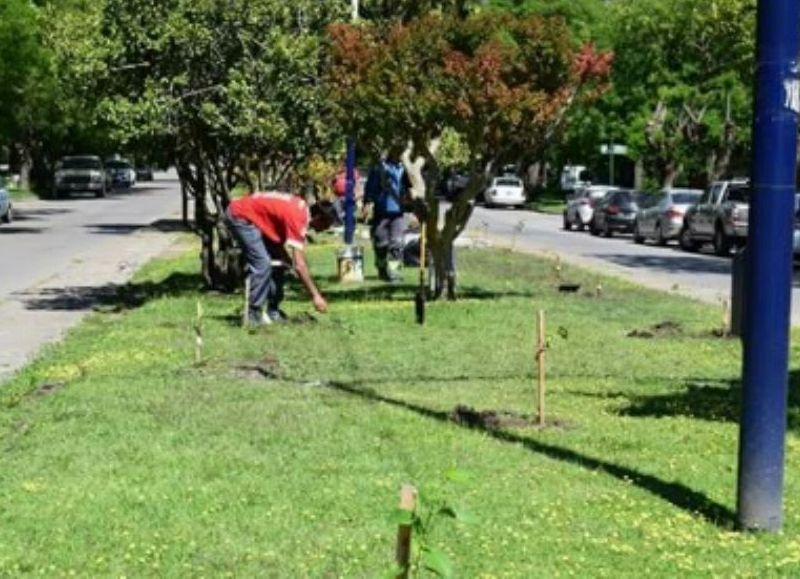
(320, 304)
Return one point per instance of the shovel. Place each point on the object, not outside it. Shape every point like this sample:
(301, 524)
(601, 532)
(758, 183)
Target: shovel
(419, 301)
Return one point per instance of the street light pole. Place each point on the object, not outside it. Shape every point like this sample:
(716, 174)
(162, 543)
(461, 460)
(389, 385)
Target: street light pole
(350, 197)
(769, 268)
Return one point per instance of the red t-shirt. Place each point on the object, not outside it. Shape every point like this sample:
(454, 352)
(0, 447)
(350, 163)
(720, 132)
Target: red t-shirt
(281, 217)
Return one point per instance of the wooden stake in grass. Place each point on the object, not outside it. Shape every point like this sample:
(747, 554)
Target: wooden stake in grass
(246, 310)
(408, 502)
(198, 332)
(541, 348)
(726, 319)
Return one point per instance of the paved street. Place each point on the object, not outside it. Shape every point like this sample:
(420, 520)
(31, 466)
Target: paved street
(701, 276)
(59, 256)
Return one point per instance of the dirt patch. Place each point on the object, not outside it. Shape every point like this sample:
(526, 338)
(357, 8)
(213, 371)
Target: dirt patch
(569, 288)
(49, 388)
(497, 420)
(665, 329)
(302, 319)
(268, 368)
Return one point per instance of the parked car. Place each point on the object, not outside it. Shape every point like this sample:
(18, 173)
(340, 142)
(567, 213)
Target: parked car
(720, 217)
(574, 178)
(580, 206)
(662, 220)
(615, 213)
(121, 173)
(453, 183)
(6, 209)
(507, 190)
(80, 173)
(144, 173)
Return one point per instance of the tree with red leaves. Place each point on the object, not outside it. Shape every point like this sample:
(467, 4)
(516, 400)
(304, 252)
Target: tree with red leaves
(501, 82)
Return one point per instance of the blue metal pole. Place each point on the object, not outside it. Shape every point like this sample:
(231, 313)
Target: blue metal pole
(769, 268)
(350, 197)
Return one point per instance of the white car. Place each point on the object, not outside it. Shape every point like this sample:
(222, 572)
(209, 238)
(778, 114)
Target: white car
(6, 211)
(580, 206)
(508, 191)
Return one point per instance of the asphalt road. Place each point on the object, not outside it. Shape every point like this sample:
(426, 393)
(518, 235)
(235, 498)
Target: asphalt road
(59, 257)
(701, 276)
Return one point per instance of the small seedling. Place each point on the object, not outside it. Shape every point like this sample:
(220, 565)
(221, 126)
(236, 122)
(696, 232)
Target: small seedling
(416, 520)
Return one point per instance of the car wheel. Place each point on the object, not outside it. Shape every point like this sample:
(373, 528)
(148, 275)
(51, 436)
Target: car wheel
(100, 194)
(567, 223)
(637, 234)
(686, 241)
(722, 244)
(9, 216)
(607, 232)
(593, 228)
(660, 239)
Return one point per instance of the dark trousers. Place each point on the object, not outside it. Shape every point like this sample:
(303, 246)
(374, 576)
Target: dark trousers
(387, 240)
(266, 281)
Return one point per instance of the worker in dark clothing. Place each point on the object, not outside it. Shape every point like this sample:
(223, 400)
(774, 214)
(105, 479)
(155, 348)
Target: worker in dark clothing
(387, 192)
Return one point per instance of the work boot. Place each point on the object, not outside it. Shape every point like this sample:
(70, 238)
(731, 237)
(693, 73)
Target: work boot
(393, 273)
(277, 316)
(257, 319)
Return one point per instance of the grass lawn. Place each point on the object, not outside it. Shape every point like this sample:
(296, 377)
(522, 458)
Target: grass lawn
(21, 194)
(282, 455)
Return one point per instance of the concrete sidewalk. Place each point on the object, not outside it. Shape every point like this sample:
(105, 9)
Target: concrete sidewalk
(66, 255)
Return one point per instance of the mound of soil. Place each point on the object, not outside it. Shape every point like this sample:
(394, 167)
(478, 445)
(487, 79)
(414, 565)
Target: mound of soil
(490, 419)
(268, 368)
(661, 330)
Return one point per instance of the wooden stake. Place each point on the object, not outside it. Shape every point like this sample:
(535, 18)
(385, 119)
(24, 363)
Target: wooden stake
(246, 311)
(198, 331)
(726, 318)
(408, 502)
(541, 348)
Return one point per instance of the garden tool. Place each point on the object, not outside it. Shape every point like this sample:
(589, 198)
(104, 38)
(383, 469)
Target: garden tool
(419, 301)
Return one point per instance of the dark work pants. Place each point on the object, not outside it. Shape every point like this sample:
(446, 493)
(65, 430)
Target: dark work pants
(387, 239)
(266, 281)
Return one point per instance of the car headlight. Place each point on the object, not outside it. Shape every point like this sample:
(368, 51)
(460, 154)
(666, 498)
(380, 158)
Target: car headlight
(59, 177)
(97, 177)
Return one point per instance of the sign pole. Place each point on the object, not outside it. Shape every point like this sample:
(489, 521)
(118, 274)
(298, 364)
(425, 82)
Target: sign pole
(769, 269)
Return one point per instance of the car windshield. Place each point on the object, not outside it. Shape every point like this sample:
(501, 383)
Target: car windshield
(118, 165)
(739, 194)
(685, 198)
(623, 197)
(81, 163)
(508, 182)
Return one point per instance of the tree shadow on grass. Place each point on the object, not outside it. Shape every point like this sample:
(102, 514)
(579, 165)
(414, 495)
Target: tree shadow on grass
(110, 297)
(675, 493)
(718, 401)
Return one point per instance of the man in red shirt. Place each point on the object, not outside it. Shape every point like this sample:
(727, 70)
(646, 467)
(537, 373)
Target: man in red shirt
(265, 223)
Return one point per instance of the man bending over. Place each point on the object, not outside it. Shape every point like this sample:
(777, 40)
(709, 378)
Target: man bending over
(265, 224)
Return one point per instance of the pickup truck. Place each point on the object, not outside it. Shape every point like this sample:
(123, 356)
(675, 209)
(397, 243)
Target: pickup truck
(720, 217)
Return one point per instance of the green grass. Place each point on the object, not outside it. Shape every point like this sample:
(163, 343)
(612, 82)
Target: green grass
(139, 463)
(549, 201)
(21, 194)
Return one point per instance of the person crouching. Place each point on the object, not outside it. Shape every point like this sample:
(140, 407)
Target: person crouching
(265, 224)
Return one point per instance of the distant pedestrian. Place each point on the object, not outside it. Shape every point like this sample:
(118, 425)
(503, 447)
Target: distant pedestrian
(387, 191)
(265, 224)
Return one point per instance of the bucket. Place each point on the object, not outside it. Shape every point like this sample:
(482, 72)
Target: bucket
(350, 264)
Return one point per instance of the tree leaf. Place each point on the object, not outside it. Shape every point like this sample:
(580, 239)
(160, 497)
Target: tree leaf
(435, 560)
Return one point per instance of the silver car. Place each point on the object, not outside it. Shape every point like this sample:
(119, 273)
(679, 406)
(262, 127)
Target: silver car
(580, 206)
(662, 220)
(6, 209)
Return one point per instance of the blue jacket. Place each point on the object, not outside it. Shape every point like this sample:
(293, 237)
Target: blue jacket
(386, 187)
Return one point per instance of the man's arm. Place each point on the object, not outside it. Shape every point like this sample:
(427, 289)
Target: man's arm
(301, 268)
